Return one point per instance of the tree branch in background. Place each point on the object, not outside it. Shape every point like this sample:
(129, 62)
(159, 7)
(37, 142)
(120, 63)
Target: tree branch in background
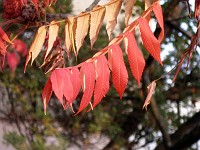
(187, 134)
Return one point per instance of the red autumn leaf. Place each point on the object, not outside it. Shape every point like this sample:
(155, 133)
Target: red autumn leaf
(12, 60)
(4, 36)
(35, 3)
(157, 9)
(102, 79)
(57, 80)
(135, 57)
(76, 82)
(20, 47)
(151, 89)
(46, 94)
(2, 48)
(2, 61)
(68, 87)
(88, 79)
(149, 40)
(119, 72)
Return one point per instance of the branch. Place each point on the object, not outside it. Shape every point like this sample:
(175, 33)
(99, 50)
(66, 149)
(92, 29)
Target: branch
(175, 26)
(92, 5)
(187, 134)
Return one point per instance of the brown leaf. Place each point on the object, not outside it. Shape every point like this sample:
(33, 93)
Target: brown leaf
(151, 89)
(81, 29)
(128, 10)
(112, 11)
(37, 44)
(97, 16)
(53, 33)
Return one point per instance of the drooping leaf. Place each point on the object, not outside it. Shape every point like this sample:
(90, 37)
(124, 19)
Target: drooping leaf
(112, 11)
(88, 79)
(148, 3)
(151, 89)
(149, 40)
(97, 16)
(46, 94)
(68, 86)
(53, 33)
(57, 80)
(37, 45)
(81, 29)
(4, 36)
(135, 57)
(102, 79)
(70, 29)
(119, 72)
(76, 82)
(128, 10)
(157, 9)
(13, 60)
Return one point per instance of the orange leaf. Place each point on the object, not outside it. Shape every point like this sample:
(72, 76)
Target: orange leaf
(149, 40)
(157, 9)
(81, 29)
(4, 36)
(135, 57)
(112, 11)
(128, 10)
(88, 79)
(37, 45)
(118, 68)
(53, 33)
(2, 48)
(97, 16)
(46, 94)
(151, 89)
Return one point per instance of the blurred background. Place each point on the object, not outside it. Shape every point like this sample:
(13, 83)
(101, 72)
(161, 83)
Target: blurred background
(172, 120)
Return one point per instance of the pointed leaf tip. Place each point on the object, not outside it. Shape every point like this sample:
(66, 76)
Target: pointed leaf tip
(118, 68)
(150, 42)
(135, 57)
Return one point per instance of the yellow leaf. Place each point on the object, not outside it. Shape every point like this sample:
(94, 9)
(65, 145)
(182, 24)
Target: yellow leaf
(37, 44)
(53, 33)
(112, 11)
(128, 10)
(70, 29)
(81, 29)
(97, 16)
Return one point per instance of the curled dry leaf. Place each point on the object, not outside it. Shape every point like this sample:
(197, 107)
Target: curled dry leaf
(53, 33)
(37, 45)
(97, 16)
(70, 30)
(81, 30)
(151, 89)
(112, 11)
(129, 4)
